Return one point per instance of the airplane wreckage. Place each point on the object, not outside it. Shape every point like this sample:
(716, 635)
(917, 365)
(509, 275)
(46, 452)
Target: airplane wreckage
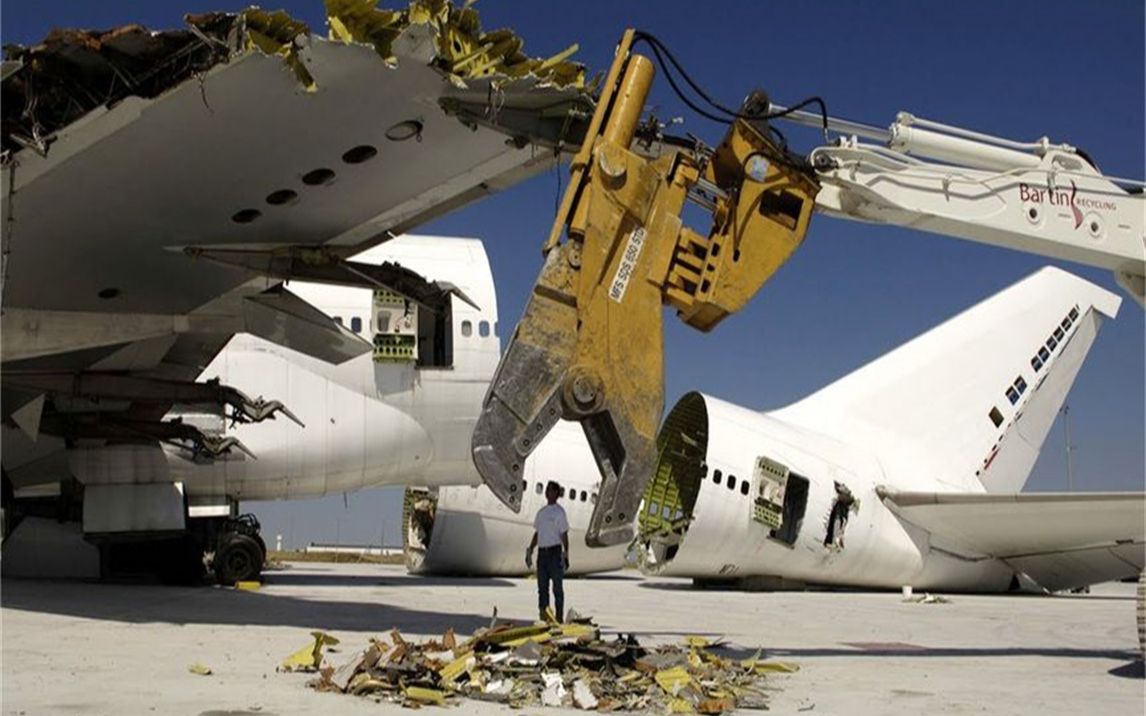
(166, 184)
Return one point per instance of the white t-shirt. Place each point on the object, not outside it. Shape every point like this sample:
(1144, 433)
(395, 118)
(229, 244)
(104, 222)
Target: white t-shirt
(550, 524)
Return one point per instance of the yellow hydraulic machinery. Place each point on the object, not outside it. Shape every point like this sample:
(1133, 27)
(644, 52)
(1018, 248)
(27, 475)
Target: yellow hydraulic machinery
(589, 346)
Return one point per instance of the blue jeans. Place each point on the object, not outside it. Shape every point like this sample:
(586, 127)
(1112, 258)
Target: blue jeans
(551, 568)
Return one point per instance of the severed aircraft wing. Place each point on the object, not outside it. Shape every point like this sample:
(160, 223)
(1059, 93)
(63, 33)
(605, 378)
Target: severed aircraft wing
(158, 186)
(1060, 540)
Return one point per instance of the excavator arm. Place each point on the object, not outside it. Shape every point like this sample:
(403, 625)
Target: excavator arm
(589, 346)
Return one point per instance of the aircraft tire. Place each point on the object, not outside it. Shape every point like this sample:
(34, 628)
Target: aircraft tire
(238, 559)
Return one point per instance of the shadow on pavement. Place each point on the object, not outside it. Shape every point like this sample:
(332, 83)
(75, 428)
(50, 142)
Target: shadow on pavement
(1134, 670)
(139, 604)
(311, 578)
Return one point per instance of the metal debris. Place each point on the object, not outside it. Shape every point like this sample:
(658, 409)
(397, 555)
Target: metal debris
(548, 664)
(200, 669)
(927, 598)
(53, 83)
(309, 657)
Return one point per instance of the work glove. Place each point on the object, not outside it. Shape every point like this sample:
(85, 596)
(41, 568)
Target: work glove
(528, 558)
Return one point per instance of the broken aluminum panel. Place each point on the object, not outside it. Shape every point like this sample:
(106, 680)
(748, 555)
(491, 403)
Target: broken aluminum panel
(110, 437)
(279, 316)
(324, 265)
(27, 417)
(136, 389)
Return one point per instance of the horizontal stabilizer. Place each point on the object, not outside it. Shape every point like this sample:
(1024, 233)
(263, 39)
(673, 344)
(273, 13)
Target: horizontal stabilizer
(1060, 540)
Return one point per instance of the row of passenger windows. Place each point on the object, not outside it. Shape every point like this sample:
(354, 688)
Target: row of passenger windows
(484, 327)
(1016, 390)
(574, 495)
(1040, 358)
(355, 323)
(730, 481)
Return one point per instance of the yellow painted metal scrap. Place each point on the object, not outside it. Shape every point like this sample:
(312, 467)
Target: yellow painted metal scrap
(273, 33)
(673, 680)
(425, 695)
(463, 49)
(310, 656)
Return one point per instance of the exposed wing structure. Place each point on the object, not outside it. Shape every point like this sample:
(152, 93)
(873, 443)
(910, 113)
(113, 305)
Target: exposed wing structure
(1060, 540)
(157, 186)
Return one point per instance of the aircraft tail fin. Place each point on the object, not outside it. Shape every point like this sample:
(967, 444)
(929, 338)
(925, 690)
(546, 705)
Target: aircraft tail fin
(976, 395)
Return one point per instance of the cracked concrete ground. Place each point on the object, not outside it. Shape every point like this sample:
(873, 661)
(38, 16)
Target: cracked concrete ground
(76, 647)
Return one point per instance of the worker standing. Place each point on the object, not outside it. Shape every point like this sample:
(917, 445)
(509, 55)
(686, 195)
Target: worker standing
(551, 536)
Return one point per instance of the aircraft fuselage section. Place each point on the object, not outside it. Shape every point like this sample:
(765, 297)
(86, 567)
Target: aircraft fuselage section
(833, 536)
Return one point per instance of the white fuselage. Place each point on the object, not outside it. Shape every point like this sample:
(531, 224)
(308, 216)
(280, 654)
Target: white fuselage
(370, 423)
(367, 422)
(472, 532)
(800, 494)
(879, 550)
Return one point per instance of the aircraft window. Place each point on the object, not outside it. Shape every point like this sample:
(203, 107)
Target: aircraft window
(1058, 334)
(1044, 354)
(495, 328)
(483, 329)
(1021, 385)
(356, 324)
(716, 476)
(1036, 363)
(1012, 395)
(1052, 343)
(540, 488)
(1065, 323)
(1074, 313)
(584, 496)
(467, 329)
(744, 488)
(562, 492)
(732, 482)
(996, 417)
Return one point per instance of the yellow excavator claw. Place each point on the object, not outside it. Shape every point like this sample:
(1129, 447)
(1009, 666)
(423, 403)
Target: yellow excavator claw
(589, 346)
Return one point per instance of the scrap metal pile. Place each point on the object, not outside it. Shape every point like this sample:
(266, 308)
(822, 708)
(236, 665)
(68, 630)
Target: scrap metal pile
(545, 664)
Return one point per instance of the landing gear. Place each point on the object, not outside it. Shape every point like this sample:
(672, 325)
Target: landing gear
(241, 552)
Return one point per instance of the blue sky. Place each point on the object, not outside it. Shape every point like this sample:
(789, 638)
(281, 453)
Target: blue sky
(1069, 70)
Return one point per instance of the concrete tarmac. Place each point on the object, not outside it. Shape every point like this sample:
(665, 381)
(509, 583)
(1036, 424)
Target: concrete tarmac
(89, 648)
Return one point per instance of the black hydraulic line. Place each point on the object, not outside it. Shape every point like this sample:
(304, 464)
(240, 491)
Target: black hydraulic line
(658, 47)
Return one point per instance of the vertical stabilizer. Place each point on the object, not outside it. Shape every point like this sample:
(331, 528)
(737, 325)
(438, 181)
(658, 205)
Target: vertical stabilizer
(972, 399)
